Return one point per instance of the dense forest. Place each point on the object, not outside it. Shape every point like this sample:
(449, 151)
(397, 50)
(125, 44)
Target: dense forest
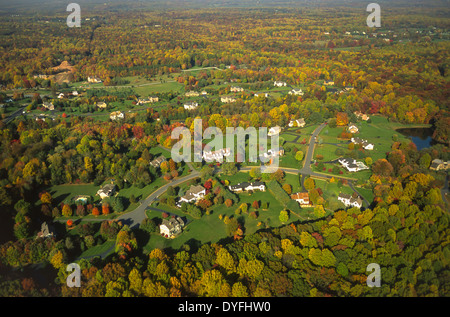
(401, 75)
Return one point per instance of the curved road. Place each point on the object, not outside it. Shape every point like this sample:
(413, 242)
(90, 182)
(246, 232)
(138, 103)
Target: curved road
(134, 218)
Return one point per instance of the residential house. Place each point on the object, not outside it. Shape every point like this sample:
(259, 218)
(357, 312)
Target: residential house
(302, 199)
(194, 193)
(191, 94)
(274, 131)
(62, 96)
(265, 94)
(150, 99)
(348, 88)
(157, 162)
(190, 105)
(227, 99)
(210, 156)
(297, 123)
(272, 153)
(437, 165)
(75, 93)
(279, 83)
(236, 89)
(349, 201)
(47, 231)
(169, 228)
(328, 82)
(352, 165)
(101, 105)
(359, 114)
(94, 80)
(296, 92)
(246, 186)
(204, 93)
(106, 191)
(353, 128)
(48, 106)
(116, 115)
(365, 144)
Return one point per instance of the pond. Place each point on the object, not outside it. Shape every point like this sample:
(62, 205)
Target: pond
(421, 137)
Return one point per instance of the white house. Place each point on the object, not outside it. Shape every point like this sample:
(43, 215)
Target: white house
(236, 89)
(296, 92)
(94, 80)
(190, 105)
(365, 144)
(274, 131)
(298, 123)
(245, 186)
(191, 94)
(227, 99)
(265, 94)
(106, 190)
(353, 128)
(171, 227)
(193, 194)
(349, 201)
(116, 115)
(210, 156)
(279, 83)
(48, 106)
(352, 165)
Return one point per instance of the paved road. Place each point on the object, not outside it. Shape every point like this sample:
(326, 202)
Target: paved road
(134, 218)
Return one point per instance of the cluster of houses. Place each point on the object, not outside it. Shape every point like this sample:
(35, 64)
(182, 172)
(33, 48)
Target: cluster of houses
(437, 165)
(350, 201)
(236, 89)
(352, 165)
(365, 144)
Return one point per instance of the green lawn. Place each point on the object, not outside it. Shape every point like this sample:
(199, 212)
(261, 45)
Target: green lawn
(211, 229)
(98, 249)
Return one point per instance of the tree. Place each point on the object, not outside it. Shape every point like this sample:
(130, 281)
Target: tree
(105, 209)
(95, 211)
(299, 156)
(284, 216)
(46, 198)
(255, 204)
(229, 168)
(67, 210)
(309, 183)
(341, 119)
(425, 160)
(287, 188)
(228, 202)
(382, 167)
